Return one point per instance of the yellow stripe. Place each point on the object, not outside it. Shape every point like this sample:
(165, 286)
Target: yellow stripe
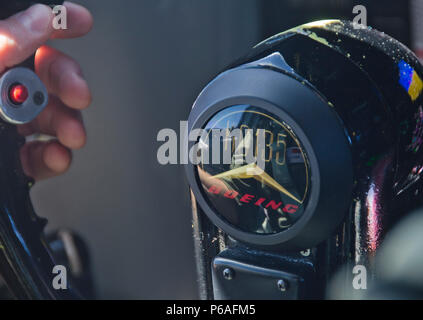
(416, 86)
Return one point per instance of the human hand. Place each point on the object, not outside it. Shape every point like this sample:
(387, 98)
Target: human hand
(20, 36)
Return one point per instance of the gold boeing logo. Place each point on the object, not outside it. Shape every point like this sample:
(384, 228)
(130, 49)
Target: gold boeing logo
(254, 171)
(266, 191)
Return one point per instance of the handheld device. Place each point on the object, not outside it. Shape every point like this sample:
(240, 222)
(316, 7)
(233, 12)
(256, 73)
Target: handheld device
(26, 261)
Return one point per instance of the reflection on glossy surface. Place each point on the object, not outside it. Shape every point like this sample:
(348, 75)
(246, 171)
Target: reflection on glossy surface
(372, 210)
(378, 99)
(26, 261)
(253, 171)
(255, 200)
(372, 83)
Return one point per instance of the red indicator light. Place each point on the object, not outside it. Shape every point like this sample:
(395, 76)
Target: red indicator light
(18, 93)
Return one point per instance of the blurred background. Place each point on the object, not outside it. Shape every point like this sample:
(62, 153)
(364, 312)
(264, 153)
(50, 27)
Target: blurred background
(146, 62)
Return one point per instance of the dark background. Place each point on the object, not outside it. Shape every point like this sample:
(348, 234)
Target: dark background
(146, 61)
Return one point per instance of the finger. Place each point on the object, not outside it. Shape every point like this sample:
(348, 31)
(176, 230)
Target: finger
(62, 77)
(42, 160)
(23, 33)
(59, 121)
(79, 22)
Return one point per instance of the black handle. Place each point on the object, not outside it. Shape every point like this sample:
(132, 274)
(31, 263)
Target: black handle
(26, 262)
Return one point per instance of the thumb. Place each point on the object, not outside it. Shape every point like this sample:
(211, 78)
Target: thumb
(23, 33)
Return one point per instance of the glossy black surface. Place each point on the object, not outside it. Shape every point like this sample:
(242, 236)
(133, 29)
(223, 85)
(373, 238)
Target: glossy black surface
(26, 262)
(374, 86)
(262, 196)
